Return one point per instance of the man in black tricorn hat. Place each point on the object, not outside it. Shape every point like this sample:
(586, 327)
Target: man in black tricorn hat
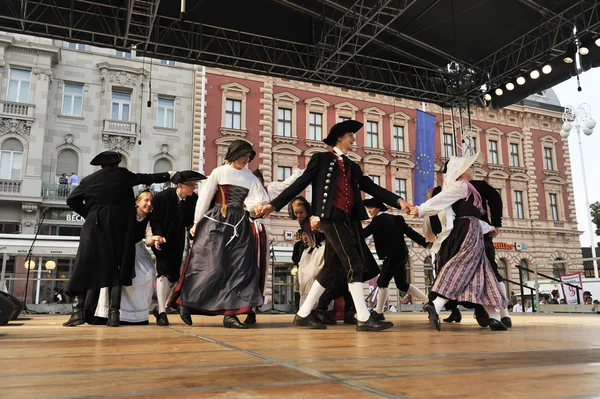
(173, 212)
(106, 253)
(336, 184)
(388, 233)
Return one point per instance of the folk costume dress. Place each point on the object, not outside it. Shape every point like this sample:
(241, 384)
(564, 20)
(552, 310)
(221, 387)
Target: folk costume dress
(222, 275)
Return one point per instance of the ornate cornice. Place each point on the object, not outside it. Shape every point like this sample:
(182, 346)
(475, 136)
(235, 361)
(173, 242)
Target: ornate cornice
(15, 126)
(118, 142)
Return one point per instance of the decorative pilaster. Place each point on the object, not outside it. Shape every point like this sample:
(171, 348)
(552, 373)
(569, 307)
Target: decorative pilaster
(198, 139)
(572, 215)
(266, 131)
(532, 189)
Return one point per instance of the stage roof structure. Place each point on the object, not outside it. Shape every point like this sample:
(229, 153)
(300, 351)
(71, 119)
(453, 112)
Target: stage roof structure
(439, 51)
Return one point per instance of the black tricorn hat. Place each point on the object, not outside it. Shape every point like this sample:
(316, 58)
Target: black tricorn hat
(341, 128)
(106, 158)
(375, 203)
(187, 175)
(238, 148)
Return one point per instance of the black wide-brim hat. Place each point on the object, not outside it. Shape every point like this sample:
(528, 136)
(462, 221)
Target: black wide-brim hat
(341, 128)
(187, 175)
(238, 148)
(374, 203)
(106, 158)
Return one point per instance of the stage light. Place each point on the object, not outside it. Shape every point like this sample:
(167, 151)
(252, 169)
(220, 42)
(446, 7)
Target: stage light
(487, 97)
(590, 124)
(50, 265)
(568, 60)
(510, 86)
(597, 42)
(499, 92)
(29, 265)
(546, 69)
(584, 51)
(520, 80)
(535, 74)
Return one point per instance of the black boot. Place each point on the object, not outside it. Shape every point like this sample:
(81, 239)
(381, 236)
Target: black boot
(455, 316)
(185, 315)
(482, 317)
(373, 325)
(233, 322)
(77, 316)
(434, 318)
(251, 318)
(114, 308)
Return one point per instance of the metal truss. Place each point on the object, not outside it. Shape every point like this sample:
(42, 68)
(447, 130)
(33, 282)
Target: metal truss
(541, 44)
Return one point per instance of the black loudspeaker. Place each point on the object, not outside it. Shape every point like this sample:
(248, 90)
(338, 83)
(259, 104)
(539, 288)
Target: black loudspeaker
(10, 308)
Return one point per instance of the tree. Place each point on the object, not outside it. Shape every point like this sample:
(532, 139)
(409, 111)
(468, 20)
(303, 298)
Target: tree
(595, 212)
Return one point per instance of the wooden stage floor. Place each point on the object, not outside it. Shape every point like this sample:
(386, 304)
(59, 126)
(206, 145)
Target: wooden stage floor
(543, 356)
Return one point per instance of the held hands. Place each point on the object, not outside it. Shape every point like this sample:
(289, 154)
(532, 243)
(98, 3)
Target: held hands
(314, 223)
(495, 233)
(404, 205)
(414, 212)
(193, 230)
(265, 210)
(158, 240)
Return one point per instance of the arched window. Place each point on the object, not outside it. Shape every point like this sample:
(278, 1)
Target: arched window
(123, 163)
(524, 273)
(67, 163)
(11, 159)
(162, 165)
(558, 269)
(503, 270)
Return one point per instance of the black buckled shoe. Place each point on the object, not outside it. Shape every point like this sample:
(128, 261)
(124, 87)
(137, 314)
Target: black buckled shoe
(350, 319)
(321, 317)
(482, 317)
(185, 315)
(455, 316)
(373, 325)
(309, 322)
(250, 319)
(434, 318)
(162, 319)
(507, 321)
(496, 325)
(377, 316)
(233, 322)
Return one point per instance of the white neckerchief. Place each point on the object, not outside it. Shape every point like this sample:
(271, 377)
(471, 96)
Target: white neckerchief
(339, 153)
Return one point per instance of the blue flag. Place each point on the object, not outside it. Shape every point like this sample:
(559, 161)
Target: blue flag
(424, 167)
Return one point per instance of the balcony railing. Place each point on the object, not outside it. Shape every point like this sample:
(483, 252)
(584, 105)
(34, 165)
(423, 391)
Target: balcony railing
(56, 191)
(114, 126)
(16, 110)
(10, 187)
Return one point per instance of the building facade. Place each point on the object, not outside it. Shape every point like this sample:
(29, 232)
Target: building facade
(61, 104)
(525, 158)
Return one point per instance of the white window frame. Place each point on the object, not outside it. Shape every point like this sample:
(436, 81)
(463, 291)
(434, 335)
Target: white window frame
(76, 46)
(19, 86)
(283, 172)
(512, 154)
(165, 109)
(11, 155)
(376, 179)
(446, 145)
(72, 97)
(345, 111)
(284, 125)
(398, 140)
(495, 134)
(372, 137)
(548, 161)
(315, 126)
(121, 103)
(401, 120)
(553, 204)
(493, 152)
(230, 113)
(287, 101)
(398, 189)
(519, 205)
(124, 54)
(167, 62)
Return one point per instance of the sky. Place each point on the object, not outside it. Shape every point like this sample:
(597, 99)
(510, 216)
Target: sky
(568, 95)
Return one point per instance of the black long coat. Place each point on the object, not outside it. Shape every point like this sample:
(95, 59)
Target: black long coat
(388, 233)
(322, 172)
(106, 251)
(169, 221)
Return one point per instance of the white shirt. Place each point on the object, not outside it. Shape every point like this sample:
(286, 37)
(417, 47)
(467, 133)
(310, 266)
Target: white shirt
(518, 308)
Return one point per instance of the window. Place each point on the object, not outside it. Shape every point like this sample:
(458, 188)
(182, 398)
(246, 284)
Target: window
(372, 135)
(523, 273)
(400, 188)
(124, 54)
(9, 228)
(554, 206)
(548, 163)
(520, 214)
(284, 122)
(67, 162)
(167, 62)
(448, 145)
(18, 86)
(11, 159)
(165, 112)
(471, 144)
(375, 180)
(72, 99)
(343, 119)
(233, 114)
(76, 46)
(120, 106)
(558, 269)
(398, 138)
(514, 154)
(493, 152)
(162, 165)
(47, 230)
(315, 126)
(283, 172)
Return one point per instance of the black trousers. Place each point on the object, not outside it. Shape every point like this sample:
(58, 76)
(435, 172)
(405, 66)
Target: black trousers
(394, 266)
(343, 250)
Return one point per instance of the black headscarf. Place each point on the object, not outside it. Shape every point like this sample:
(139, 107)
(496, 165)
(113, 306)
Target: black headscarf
(237, 149)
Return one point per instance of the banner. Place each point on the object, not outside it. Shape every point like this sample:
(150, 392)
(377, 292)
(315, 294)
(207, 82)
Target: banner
(570, 293)
(424, 166)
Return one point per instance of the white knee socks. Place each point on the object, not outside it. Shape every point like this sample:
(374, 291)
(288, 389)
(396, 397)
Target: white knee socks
(439, 303)
(358, 296)
(503, 311)
(163, 291)
(492, 312)
(311, 299)
(417, 293)
(382, 297)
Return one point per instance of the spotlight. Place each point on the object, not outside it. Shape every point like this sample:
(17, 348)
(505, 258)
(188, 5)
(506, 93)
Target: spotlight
(499, 92)
(584, 51)
(546, 69)
(510, 86)
(568, 60)
(535, 74)
(487, 97)
(520, 80)
(597, 42)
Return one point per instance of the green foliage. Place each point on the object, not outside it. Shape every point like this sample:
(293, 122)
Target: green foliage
(595, 212)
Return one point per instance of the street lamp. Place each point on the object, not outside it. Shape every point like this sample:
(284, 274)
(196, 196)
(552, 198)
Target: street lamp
(582, 116)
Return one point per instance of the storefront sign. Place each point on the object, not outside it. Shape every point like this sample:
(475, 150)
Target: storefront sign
(519, 246)
(75, 217)
(288, 235)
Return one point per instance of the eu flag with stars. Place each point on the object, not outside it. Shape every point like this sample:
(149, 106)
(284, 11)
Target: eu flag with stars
(424, 167)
